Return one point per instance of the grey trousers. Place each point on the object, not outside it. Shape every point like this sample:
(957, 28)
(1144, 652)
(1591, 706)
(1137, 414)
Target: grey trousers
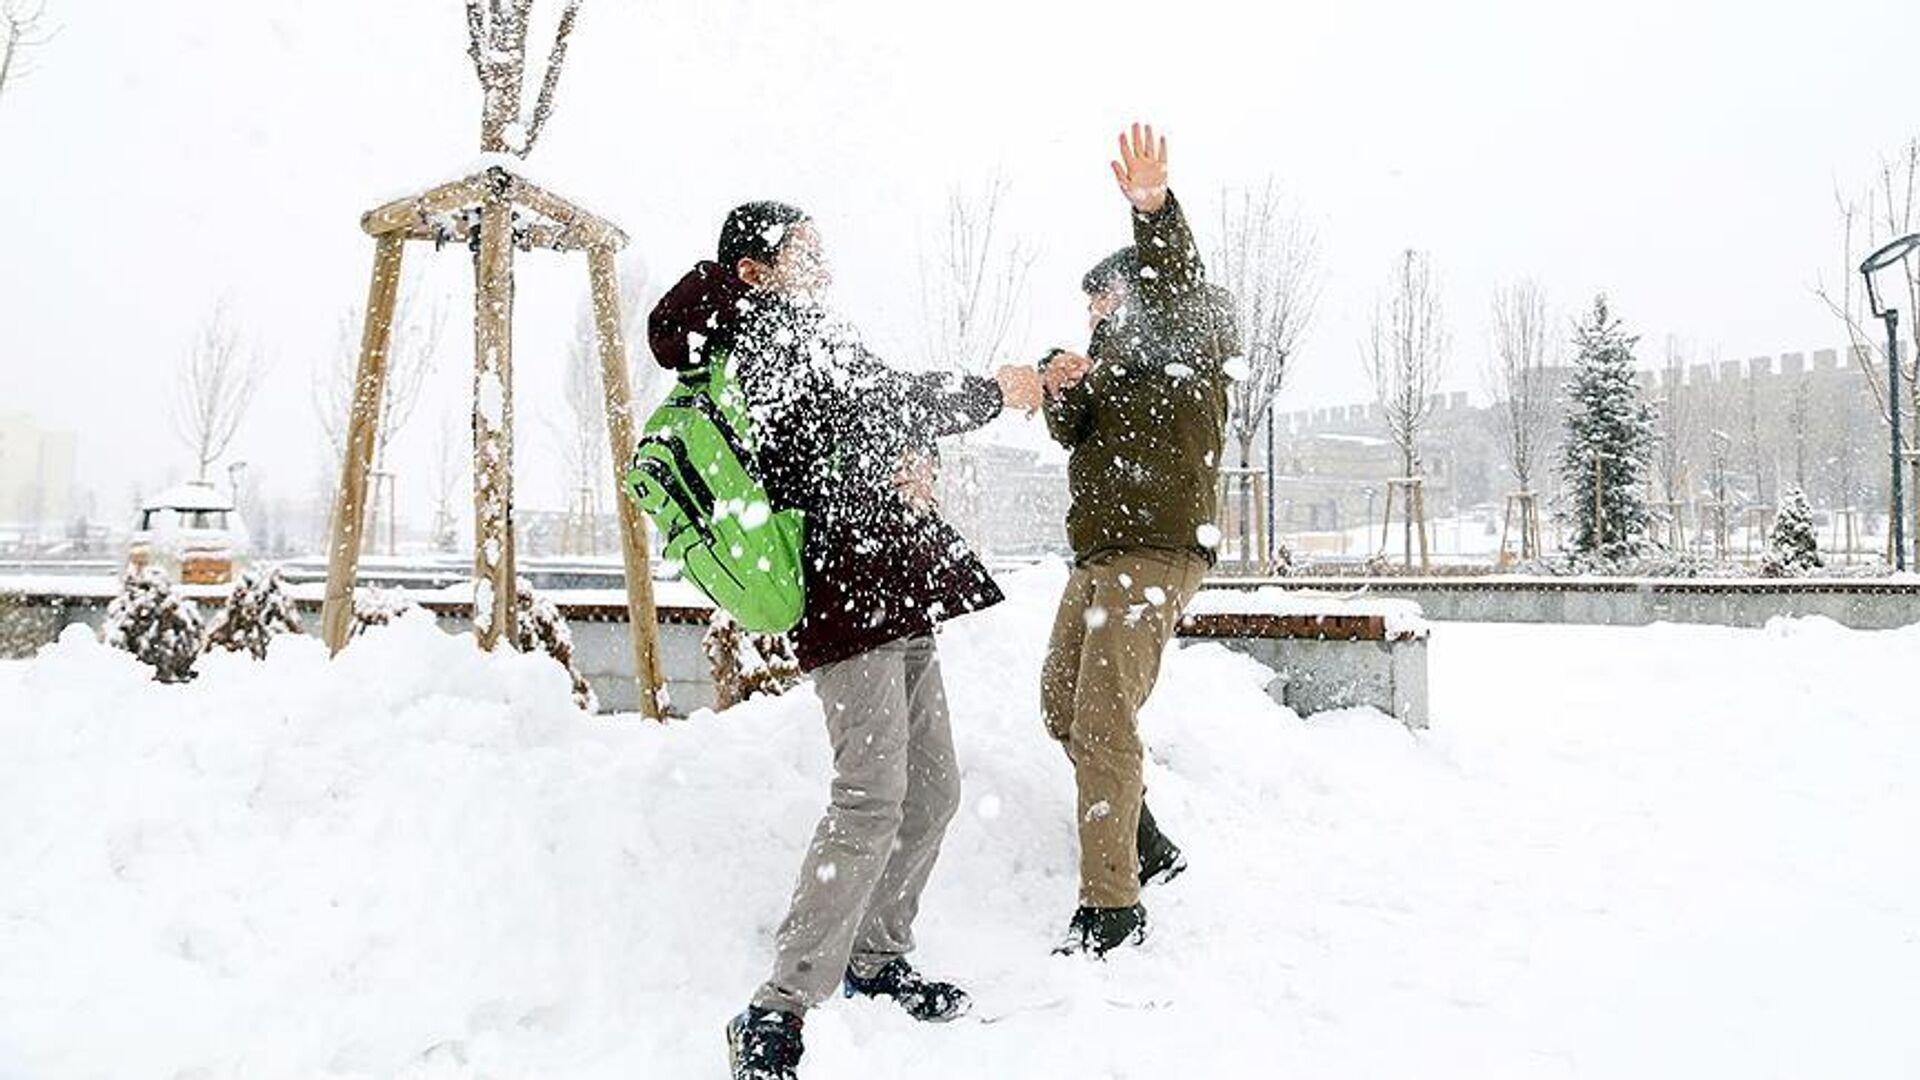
(895, 787)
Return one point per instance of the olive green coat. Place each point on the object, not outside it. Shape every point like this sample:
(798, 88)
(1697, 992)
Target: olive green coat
(1145, 428)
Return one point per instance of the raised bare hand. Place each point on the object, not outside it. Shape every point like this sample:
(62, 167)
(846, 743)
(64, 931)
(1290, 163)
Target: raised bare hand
(1142, 169)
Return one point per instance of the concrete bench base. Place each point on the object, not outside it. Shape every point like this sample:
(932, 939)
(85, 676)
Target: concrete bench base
(1317, 676)
(1326, 661)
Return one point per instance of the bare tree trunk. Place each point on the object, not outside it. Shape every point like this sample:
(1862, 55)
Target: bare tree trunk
(497, 45)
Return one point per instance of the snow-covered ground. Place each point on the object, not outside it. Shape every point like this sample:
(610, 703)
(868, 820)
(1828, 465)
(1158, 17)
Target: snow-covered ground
(1668, 851)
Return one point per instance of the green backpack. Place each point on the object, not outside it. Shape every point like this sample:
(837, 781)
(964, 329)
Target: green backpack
(694, 474)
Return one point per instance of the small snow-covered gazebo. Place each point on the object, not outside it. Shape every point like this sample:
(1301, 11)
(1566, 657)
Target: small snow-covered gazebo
(494, 211)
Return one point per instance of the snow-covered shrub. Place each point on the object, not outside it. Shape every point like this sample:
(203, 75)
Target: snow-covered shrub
(747, 665)
(378, 607)
(1793, 548)
(1284, 564)
(539, 627)
(258, 610)
(157, 625)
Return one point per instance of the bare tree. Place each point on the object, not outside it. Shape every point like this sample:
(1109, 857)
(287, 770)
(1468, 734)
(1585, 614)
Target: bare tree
(1888, 208)
(22, 30)
(1518, 377)
(972, 280)
(497, 45)
(1405, 354)
(450, 457)
(1269, 259)
(1679, 421)
(411, 350)
(217, 380)
(583, 433)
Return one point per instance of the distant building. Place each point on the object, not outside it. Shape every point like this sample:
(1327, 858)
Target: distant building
(36, 477)
(1007, 501)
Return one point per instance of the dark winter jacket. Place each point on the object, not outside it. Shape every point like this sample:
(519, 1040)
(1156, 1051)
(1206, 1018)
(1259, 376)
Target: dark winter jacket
(1145, 428)
(834, 425)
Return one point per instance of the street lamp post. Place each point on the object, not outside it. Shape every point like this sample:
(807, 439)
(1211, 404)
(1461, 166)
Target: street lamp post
(1892, 253)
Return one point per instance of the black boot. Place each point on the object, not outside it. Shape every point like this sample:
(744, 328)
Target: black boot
(923, 998)
(1160, 858)
(1098, 931)
(764, 1044)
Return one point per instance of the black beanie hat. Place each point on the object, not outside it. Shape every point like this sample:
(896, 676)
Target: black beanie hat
(755, 231)
(1122, 266)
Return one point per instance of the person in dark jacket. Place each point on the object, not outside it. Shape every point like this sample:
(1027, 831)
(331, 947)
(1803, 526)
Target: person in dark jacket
(1143, 417)
(849, 441)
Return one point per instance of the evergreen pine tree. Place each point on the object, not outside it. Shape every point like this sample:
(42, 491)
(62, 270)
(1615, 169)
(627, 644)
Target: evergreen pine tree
(1609, 446)
(1792, 547)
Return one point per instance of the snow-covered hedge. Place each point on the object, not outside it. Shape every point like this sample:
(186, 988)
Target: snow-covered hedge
(157, 625)
(259, 610)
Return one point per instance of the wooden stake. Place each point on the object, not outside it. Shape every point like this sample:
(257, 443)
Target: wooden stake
(633, 529)
(493, 559)
(369, 388)
(1420, 515)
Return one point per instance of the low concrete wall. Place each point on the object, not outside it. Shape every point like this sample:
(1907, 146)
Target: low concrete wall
(1870, 604)
(1320, 663)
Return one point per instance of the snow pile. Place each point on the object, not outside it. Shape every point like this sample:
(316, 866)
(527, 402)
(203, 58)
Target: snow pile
(1621, 853)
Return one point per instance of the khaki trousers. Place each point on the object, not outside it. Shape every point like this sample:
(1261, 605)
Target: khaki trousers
(1116, 617)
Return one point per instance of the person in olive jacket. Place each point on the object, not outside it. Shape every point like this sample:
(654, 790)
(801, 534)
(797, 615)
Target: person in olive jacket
(848, 440)
(1143, 416)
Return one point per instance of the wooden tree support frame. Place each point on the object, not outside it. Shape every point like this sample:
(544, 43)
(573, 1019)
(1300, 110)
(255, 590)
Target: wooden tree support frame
(1412, 491)
(1242, 498)
(1523, 507)
(493, 212)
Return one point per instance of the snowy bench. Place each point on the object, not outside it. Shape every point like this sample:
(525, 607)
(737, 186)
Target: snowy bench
(1327, 651)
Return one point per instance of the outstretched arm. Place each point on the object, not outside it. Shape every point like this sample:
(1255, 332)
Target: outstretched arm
(1170, 267)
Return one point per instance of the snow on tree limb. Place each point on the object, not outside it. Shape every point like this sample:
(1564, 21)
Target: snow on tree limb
(497, 45)
(21, 31)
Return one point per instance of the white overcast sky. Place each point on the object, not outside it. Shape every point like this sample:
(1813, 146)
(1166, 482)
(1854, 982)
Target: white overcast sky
(1679, 154)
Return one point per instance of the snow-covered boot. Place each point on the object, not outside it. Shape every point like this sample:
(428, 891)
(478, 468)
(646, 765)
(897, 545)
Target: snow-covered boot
(764, 1044)
(1160, 858)
(1098, 931)
(923, 998)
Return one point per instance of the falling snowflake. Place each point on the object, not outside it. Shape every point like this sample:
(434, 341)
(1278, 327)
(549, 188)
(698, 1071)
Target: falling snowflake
(1208, 535)
(988, 808)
